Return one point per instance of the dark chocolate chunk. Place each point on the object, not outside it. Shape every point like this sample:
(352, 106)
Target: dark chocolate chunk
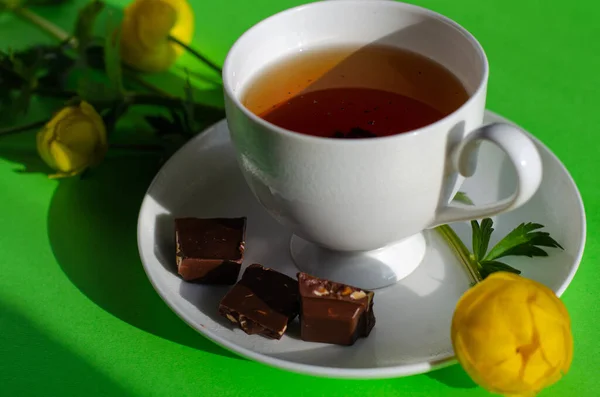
(210, 251)
(263, 302)
(333, 312)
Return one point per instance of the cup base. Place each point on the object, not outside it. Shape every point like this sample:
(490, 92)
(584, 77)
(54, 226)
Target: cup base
(363, 269)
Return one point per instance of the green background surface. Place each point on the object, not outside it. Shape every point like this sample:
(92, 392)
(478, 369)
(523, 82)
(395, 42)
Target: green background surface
(77, 313)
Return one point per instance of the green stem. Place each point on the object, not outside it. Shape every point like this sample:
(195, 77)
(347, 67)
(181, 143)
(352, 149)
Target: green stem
(131, 99)
(22, 128)
(152, 99)
(44, 24)
(137, 147)
(53, 93)
(172, 102)
(201, 57)
(62, 36)
(461, 251)
(139, 80)
(159, 95)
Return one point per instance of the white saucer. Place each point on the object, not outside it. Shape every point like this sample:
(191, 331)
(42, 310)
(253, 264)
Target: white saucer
(412, 334)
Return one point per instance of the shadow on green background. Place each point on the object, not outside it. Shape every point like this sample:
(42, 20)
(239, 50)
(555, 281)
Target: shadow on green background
(92, 229)
(92, 221)
(32, 352)
(453, 376)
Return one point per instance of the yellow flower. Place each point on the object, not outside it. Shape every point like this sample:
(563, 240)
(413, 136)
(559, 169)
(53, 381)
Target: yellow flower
(512, 335)
(145, 31)
(73, 140)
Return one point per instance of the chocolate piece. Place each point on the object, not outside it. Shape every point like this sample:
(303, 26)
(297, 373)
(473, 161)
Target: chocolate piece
(334, 312)
(263, 302)
(210, 251)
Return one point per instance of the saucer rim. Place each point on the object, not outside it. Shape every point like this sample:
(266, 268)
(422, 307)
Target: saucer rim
(325, 371)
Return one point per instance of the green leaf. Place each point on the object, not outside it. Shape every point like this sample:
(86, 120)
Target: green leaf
(112, 58)
(92, 85)
(20, 105)
(54, 66)
(113, 114)
(528, 250)
(25, 72)
(160, 124)
(35, 70)
(43, 2)
(206, 116)
(189, 106)
(10, 80)
(197, 116)
(84, 25)
(10, 4)
(169, 130)
(74, 101)
(523, 241)
(164, 126)
(94, 56)
(489, 267)
(461, 197)
(93, 91)
(481, 237)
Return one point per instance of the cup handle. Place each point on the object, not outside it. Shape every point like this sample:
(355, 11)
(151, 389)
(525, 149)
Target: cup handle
(522, 152)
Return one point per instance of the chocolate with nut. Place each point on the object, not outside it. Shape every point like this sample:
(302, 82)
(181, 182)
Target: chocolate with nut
(263, 302)
(210, 251)
(333, 312)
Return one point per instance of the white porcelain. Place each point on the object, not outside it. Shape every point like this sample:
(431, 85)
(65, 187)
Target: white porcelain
(359, 196)
(413, 316)
(362, 195)
(367, 269)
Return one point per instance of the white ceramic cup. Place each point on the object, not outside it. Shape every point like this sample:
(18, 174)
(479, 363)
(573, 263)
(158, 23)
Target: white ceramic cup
(345, 198)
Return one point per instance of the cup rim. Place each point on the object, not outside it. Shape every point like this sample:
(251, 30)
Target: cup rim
(338, 3)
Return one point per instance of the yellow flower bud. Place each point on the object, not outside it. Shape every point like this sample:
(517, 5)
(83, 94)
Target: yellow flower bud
(512, 335)
(73, 140)
(145, 31)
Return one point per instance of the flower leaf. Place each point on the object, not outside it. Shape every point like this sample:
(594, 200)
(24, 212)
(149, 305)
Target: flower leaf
(50, 67)
(162, 125)
(524, 240)
(84, 25)
(56, 66)
(92, 76)
(188, 106)
(19, 74)
(489, 267)
(10, 4)
(461, 197)
(9, 80)
(112, 58)
(170, 130)
(113, 114)
(43, 2)
(481, 237)
(94, 56)
(197, 116)
(91, 90)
